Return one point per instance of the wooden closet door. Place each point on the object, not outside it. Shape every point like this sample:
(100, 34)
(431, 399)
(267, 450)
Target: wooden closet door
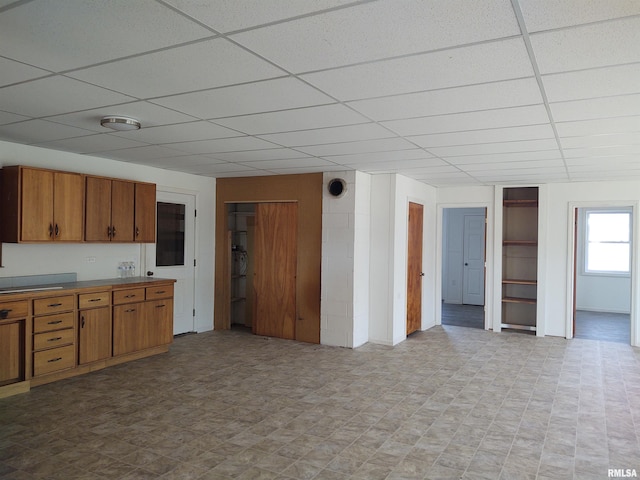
(414, 268)
(274, 277)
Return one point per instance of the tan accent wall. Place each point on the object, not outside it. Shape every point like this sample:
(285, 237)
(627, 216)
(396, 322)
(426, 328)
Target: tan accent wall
(306, 190)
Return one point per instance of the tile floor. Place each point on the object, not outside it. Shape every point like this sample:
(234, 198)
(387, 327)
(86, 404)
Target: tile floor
(612, 327)
(471, 316)
(448, 403)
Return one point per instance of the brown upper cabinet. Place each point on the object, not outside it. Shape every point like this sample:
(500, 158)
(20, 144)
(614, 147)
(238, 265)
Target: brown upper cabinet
(145, 213)
(109, 211)
(41, 205)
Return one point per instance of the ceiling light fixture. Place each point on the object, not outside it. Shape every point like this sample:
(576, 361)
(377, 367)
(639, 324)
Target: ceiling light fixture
(120, 123)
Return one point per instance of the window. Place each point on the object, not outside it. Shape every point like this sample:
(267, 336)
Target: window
(608, 242)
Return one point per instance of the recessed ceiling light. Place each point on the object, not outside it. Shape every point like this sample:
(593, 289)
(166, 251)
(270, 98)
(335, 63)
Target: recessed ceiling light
(120, 123)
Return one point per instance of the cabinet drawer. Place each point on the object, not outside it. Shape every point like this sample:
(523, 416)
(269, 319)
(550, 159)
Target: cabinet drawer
(53, 339)
(53, 322)
(128, 296)
(52, 360)
(98, 299)
(17, 309)
(44, 306)
(161, 291)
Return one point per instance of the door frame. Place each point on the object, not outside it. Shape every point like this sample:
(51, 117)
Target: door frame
(488, 258)
(572, 263)
(143, 247)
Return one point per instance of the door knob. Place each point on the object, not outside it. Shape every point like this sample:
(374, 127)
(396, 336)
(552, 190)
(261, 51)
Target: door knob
(422, 274)
(149, 273)
(466, 264)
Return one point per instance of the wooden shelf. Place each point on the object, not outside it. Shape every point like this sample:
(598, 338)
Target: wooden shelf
(513, 281)
(235, 277)
(522, 243)
(237, 299)
(520, 203)
(529, 301)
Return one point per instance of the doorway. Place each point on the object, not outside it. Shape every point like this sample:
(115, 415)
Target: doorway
(414, 267)
(602, 273)
(173, 254)
(463, 267)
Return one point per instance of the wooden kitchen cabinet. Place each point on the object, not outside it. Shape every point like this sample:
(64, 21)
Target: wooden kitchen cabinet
(145, 213)
(94, 335)
(159, 322)
(13, 323)
(53, 334)
(109, 213)
(41, 205)
(128, 328)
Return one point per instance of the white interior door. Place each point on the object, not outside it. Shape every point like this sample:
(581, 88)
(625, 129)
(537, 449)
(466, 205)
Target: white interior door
(473, 272)
(173, 254)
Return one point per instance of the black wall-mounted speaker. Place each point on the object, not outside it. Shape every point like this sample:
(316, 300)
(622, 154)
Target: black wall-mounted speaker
(337, 187)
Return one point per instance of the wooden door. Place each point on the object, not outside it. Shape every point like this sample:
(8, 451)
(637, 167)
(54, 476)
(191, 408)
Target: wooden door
(145, 213)
(414, 268)
(94, 342)
(122, 208)
(68, 207)
(37, 206)
(274, 276)
(158, 322)
(11, 352)
(98, 210)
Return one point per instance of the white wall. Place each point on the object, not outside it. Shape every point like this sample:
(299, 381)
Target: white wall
(599, 293)
(32, 259)
(390, 197)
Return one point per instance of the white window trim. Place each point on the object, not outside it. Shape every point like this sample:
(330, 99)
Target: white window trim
(585, 246)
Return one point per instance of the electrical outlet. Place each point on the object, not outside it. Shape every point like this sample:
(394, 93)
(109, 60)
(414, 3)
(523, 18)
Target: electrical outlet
(90, 259)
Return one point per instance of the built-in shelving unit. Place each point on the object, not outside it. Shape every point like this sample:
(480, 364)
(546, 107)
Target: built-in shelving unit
(240, 225)
(519, 258)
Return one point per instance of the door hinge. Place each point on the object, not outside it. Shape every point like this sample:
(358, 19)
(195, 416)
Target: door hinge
(194, 312)
(194, 262)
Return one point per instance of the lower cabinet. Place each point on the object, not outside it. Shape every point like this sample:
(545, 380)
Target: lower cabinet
(94, 337)
(159, 321)
(12, 357)
(54, 346)
(142, 325)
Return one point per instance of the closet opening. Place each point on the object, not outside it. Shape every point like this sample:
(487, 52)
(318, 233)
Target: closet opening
(241, 231)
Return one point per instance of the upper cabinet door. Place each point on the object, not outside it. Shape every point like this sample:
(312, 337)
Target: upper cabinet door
(37, 206)
(68, 207)
(98, 210)
(145, 217)
(122, 204)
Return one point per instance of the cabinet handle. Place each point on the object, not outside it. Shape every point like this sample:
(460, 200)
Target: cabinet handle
(130, 296)
(57, 231)
(113, 231)
(137, 232)
(82, 318)
(54, 339)
(95, 299)
(130, 310)
(5, 313)
(54, 305)
(159, 292)
(109, 231)
(50, 230)
(160, 306)
(54, 322)
(54, 360)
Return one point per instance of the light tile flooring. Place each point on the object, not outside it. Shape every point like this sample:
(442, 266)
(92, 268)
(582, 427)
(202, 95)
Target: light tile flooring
(448, 403)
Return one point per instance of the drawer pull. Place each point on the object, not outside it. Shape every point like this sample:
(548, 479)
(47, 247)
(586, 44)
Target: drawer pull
(130, 310)
(54, 322)
(54, 339)
(54, 360)
(54, 305)
(5, 313)
(160, 306)
(95, 299)
(130, 296)
(160, 291)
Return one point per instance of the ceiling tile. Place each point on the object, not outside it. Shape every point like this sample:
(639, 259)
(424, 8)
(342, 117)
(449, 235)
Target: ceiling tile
(140, 153)
(6, 117)
(600, 82)
(454, 100)
(245, 173)
(599, 126)
(504, 157)
(619, 106)
(63, 35)
(148, 114)
(398, 165)
(531, 164)
(549, 14)
(350, 133)
(289, 163)
(593, 163)
(259, 97)
(91, 143)
(33, 131)
(486, 62)
(602, 151)
(182, 69)
(533, 132)
(504, 147)
(229, 15)
(612, 139)
(588, 46)
(388, 156)
(62, 95)
(236, 144)
(16, 72)
(260, 155)
(215, 168)
(182, 132)
(297, 119)
(342, 37)
(366, 146)
(180, 161)
(325, 168)
(503, 117)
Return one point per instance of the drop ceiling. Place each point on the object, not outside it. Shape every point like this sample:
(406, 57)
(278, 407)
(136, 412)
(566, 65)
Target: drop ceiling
(456, 92)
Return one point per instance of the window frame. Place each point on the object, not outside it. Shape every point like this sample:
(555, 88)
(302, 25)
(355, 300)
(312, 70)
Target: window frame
(585, 243)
